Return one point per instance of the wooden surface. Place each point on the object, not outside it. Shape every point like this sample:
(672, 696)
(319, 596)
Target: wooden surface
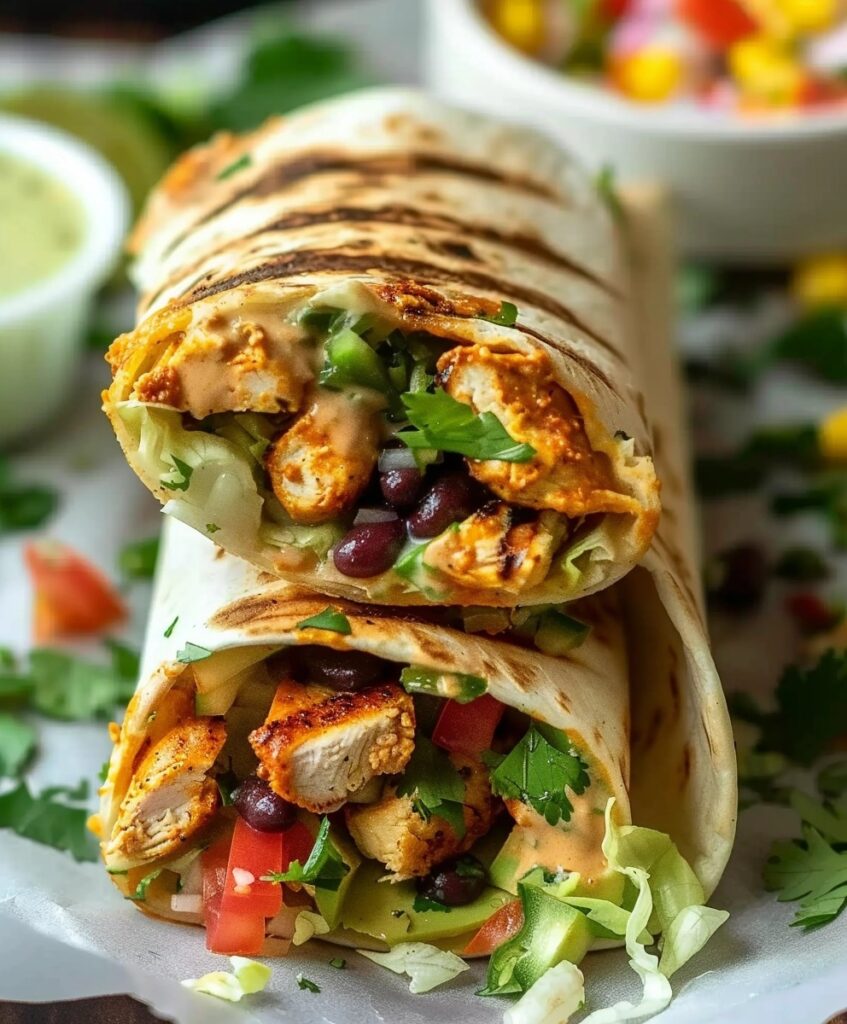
(102, 1010)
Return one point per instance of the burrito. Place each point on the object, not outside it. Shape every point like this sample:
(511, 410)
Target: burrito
(383, 352)
(293, 768)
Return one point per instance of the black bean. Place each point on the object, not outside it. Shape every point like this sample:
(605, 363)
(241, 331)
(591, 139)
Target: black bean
(401, 487)
(342, 670)
(451, 498)
(455, 883)
(369, 548)
(261, 808)
(736, 578)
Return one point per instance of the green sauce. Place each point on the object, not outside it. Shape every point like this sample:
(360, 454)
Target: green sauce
(42, 224)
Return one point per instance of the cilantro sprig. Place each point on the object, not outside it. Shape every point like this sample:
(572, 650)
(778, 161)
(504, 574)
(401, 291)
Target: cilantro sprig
(323, 868)
(43, 819)
(434, 785)
(443, 423)
(538, 771)
(179, 477)
(137, 560)
(811, 871)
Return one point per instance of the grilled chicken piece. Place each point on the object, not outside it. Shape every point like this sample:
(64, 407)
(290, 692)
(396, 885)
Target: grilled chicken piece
(170, 796)
(316, 756)
(519, 388)
(322, 463)
(487, 550)
(392, 832)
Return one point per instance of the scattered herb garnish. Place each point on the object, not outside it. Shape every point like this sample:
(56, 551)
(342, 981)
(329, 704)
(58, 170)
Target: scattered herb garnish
(811, 709)
(307, 985)
(191, 653)
(244, 161)
(506, 315)
(801, 565)
(23, 506)
(538, 771)
(330, 619)
(17, 745)
(434, 785)
(810, 871)
(137, 561)
(324, 867)
(422, 904)
(44, 820)
(182, 479)
(338, 962)
(170, 630)
(450, 426)
(212, 528)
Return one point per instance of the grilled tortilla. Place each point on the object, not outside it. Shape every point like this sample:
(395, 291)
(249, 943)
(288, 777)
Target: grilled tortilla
(373, 268)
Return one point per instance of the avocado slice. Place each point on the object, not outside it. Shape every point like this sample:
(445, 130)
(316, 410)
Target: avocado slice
(330, 902)
(515, 859)
(385, 910)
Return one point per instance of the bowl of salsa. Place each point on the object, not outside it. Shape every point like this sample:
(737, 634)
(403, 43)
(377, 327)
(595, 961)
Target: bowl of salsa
(63, 216)
(738, 106)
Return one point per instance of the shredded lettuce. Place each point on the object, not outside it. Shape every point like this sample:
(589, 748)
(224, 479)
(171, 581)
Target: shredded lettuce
(247, 977)
(553, 999)
(318, 539)
(427, 966)
(307, 925)
(221, 486)
(590, 548)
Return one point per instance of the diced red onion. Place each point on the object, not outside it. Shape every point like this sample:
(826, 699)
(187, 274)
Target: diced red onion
(396, 458)
(374, 515)
(187, 903)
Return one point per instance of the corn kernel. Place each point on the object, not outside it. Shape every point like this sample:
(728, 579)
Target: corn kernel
(519, 22)
(808, 16)
(821, 281)
(832, 436)
(766, 70)
(650, 75)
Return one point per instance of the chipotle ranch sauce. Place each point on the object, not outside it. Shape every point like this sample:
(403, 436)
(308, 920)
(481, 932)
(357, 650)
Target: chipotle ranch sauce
(41, 224)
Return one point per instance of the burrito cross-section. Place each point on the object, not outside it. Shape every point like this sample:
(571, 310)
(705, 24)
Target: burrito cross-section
(383, 352)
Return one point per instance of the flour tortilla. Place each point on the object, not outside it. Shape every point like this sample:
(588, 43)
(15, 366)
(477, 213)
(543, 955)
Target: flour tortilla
(388, 201)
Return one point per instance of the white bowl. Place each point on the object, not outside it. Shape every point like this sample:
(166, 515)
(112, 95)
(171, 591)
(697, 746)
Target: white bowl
(769, 191)
(41, 327)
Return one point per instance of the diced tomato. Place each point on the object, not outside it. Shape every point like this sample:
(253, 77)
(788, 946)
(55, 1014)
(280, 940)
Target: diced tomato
(72, 598)
(720, 22)
(468, 728)
(253, 854)
(502, 925)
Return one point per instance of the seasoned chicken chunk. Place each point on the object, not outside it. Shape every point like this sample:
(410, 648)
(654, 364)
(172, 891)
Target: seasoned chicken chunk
(519, 389)
(321, 464)
(171, 796)
(391, 831)
(494, 548)
(316, 756)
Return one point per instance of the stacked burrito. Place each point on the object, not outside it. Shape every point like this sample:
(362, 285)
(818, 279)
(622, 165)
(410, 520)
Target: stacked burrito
(424, 665)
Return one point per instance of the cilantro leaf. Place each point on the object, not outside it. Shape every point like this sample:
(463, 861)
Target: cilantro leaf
(434, 784)
(829, 819)
(306, 985)
(538, 770)
(191, 653)
(170, 630)
(810, 871)
(811, 709)
(137, 560)
(180, 476)
(421, 904)
(244, 161)
(330, 619)
(17, 745)
(324, 867)
(506, 315)
(451, 426)
(46, 821)
(67, 687)
(23, 506)
(338, 962)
